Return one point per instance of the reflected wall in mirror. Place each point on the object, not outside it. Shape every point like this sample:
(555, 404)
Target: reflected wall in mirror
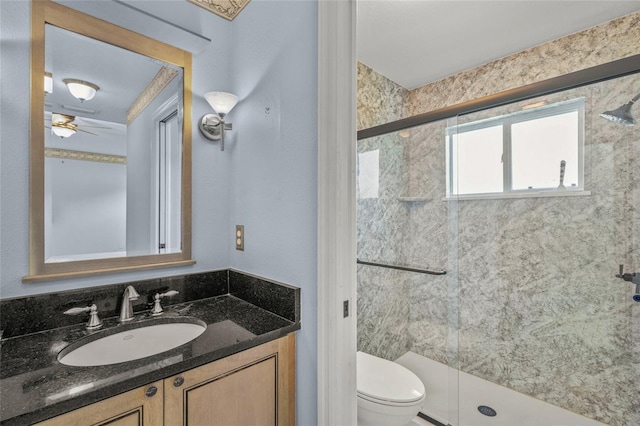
(110, 148)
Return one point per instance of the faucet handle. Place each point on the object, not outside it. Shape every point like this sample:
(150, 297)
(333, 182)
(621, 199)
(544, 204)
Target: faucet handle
(157, 308)
(169, 293)
(94, 321)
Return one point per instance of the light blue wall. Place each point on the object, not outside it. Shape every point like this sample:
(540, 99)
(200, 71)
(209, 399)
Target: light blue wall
(265, 179)
(273, 157)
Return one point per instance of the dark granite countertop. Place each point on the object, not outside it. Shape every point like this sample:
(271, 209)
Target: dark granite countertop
(34, 386)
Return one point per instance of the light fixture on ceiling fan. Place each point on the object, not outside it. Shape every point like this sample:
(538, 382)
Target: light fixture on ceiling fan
(63, 125)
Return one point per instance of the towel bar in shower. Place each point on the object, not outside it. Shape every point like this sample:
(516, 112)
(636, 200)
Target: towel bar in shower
(404, 268)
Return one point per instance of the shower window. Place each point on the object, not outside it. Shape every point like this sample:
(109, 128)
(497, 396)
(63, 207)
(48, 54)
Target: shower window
(518, 154)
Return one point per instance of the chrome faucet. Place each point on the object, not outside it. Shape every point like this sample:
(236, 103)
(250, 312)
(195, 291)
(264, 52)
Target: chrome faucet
(126, 310)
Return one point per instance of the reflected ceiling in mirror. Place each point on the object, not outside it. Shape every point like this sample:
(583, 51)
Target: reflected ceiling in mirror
(108, 178)
(110, 148)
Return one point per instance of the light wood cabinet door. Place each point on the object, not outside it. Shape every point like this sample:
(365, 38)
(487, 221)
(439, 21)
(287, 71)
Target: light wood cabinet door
(138, 407)
(254, 387)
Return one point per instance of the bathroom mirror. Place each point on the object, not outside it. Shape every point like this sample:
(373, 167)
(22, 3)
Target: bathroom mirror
(110, 150)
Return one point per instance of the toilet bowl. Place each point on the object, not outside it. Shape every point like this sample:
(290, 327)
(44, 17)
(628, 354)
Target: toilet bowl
(388, 393)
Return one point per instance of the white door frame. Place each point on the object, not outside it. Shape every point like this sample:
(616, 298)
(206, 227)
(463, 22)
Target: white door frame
(337, 403)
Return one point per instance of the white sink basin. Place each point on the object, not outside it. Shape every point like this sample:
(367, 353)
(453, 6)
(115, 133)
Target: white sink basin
(136, 341)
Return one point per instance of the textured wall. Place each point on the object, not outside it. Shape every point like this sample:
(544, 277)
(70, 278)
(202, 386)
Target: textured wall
(383, 294)
(272, 152)
(379, 99)
(383, 298)
(539, 308)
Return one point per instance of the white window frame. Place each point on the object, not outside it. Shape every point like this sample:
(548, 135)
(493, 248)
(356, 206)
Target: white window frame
(506, 121)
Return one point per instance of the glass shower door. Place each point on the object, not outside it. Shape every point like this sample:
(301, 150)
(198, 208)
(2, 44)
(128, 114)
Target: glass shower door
(548, 329)
(408, 259)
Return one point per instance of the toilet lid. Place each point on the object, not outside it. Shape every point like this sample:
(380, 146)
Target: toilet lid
(387, 381)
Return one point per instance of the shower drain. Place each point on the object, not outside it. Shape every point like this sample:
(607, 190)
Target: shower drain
(487, 411)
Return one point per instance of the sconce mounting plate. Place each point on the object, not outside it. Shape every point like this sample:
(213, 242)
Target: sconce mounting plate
(210, 126)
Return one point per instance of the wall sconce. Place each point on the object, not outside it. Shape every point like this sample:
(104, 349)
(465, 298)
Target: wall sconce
(82, 90)
(213, 126)
(48, 82)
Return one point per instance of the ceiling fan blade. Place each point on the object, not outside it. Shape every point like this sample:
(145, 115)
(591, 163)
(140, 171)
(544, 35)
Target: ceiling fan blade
(84, 131)
(94, 127)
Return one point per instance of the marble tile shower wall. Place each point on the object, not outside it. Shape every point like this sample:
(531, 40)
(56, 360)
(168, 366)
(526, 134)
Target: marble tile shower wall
(539, 309)
(383, 304)
(379, 99)
(431, 243)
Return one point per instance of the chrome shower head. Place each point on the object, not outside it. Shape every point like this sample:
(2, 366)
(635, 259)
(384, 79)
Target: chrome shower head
(622, 115)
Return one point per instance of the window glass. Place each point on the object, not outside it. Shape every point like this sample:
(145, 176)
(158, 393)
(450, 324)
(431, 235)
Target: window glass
(477, 161)
(518, 152)
(537, 148)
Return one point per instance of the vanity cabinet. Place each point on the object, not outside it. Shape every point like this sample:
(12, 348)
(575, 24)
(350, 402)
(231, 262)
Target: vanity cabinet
(253, 387)
(141, 406)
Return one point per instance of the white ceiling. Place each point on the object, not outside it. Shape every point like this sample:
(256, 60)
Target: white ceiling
(121, 75)
(416, 42)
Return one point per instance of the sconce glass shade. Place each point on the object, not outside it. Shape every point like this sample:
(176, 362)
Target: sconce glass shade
(63, 132)
(221, 102)
(82, 90)
(48, 82)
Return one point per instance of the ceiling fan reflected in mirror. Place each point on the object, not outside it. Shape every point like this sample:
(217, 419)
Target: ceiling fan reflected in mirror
(64, 126)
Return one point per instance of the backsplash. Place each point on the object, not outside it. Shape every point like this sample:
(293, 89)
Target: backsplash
(45, 311)
(276, 298)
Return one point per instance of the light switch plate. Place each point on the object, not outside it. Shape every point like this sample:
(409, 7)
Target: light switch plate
(240, 237)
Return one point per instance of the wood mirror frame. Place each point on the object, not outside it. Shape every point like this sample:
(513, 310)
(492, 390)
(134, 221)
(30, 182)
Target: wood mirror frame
(47, 12)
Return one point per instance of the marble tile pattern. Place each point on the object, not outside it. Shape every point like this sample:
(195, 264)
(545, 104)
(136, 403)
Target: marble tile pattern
(383, 312)
(635, 259)
(530, 300)
(383, 298)
(379, 99)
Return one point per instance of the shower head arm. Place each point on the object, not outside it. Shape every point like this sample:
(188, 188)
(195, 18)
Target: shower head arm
(635, 98)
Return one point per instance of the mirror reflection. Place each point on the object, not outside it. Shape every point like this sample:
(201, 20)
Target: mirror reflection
(113, 151)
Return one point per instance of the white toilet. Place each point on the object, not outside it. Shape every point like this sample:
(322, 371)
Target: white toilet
(388, 393)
